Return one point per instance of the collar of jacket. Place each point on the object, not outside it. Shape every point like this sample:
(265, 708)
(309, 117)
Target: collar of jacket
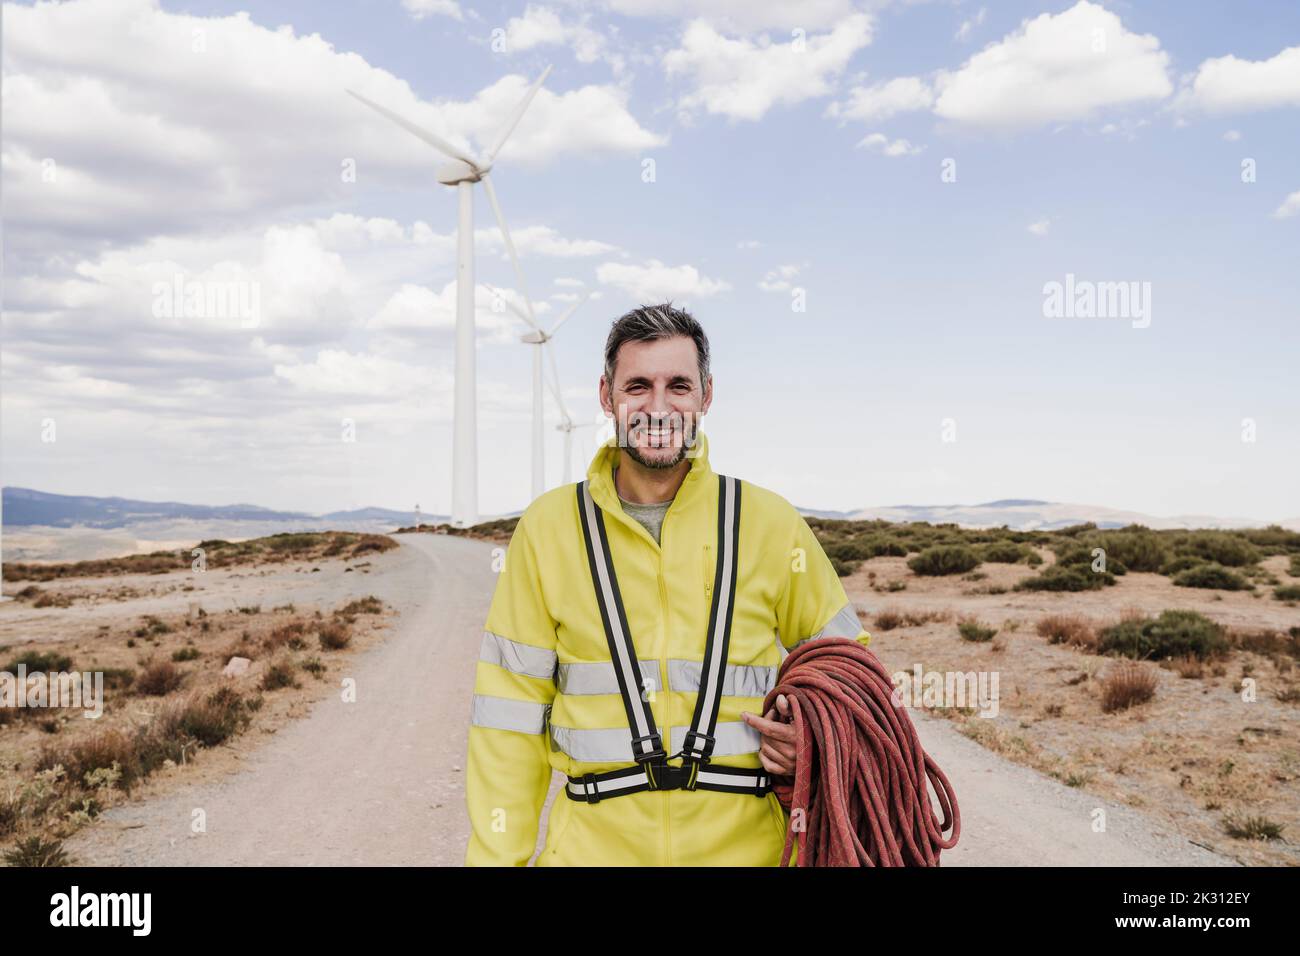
(600, 476)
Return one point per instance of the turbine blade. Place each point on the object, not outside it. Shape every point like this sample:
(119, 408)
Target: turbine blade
(486, 180)
(555, 376)
(433, 139)
(572, 309)
(516, 117)
(512, 305)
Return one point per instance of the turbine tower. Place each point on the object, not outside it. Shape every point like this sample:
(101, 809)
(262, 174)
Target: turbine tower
(462, 172)
(542, 339)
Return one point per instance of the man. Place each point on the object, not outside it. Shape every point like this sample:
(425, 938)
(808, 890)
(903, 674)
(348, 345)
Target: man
(551, 680)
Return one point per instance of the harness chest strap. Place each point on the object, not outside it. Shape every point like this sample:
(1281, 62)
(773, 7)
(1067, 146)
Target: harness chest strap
(652, 770)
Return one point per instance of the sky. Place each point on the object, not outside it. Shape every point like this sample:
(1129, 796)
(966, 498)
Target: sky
(945, 252)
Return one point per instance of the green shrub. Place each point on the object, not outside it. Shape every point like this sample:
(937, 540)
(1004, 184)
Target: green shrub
(1082, 556)
(190, 653)
(1172, 634)
(1294, 570)
(1004, 552)
(1212, 576)
(1288, 592)
(1136, 550)
(945, 559)
(972, 630)
(43, 662)
(1073, 577)
(1218, 547)
(1182, 562)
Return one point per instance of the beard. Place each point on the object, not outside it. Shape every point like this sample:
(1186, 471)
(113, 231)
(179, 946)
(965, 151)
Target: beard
(666, 456)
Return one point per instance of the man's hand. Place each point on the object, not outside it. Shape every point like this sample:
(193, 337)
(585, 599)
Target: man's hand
(778, 748)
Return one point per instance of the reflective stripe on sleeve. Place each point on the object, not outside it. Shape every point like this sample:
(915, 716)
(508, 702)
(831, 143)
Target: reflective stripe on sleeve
(516, 657)
(502, 713)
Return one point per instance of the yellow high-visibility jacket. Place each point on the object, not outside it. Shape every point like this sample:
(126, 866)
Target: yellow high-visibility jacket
(546, 695)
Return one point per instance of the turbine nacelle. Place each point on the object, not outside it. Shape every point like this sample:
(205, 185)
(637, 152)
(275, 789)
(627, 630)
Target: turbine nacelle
(458, 171)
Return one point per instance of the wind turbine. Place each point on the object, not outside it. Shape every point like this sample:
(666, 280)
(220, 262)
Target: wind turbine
(462, 172)
(542, 339)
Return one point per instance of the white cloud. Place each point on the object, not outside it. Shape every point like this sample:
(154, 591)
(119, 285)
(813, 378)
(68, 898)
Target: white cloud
(1226, 84)
(880, 143)
(778, 279)
(341, 373)
(742, 15)
(569, 283)
(1290, 207)
(968, 26)
(542, 26)
(1055, 68)
(542, 241)
(748, 244)
(1232, 135)
(656, 282)
(742, 78)
(1040, 227)
(139, 124)
(428, 8)
(880, 101)
(414, 310)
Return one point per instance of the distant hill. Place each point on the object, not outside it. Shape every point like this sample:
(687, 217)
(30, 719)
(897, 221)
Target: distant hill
(1026, 514)
(40, 526)
(27, 506)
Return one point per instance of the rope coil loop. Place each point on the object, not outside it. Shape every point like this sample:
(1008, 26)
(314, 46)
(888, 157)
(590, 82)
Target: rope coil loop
(860, 773)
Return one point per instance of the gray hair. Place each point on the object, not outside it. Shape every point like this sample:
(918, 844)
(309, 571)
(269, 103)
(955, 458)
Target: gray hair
(648, 323)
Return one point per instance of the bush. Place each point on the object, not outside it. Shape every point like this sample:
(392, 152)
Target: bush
(44, 662)
(972, 630)
(1212, 576)
(158, 678)
(279, 674)
(1081, 556)
(333, 635)
(1004, 552)
(1294, 570)
(1218, 547)
(945, 559)
(1072, 577)
(1126, 686)
(209, 720)
(1072, 629)
(1288, 592)
(1172, 634)
(190, 653)
(36, 851)
(1136, 550)
(1181, 563)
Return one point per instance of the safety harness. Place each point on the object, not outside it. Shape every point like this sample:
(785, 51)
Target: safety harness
(652, 770)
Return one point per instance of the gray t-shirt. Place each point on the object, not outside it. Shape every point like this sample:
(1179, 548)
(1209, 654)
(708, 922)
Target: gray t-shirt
(650, 516)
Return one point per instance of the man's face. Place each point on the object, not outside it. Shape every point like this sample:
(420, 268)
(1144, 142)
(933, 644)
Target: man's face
(656, 399)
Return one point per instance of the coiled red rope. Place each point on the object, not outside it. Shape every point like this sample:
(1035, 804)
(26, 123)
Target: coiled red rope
(860, 773)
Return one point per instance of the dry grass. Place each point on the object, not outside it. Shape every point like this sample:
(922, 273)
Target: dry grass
(1128, 684)
(1074, 630)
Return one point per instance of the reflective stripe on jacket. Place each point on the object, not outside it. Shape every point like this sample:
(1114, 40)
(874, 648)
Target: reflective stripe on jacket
(546, 697)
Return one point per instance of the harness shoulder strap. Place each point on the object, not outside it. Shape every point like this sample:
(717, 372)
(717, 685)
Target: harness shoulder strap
(646, 742)
(700, 741)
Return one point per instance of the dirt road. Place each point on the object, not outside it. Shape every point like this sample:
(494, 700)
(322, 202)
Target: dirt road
(380, 781)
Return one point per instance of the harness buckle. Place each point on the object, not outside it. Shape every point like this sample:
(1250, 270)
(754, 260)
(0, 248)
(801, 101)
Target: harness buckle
(590, 791)
(698, 752)
(655, 755)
